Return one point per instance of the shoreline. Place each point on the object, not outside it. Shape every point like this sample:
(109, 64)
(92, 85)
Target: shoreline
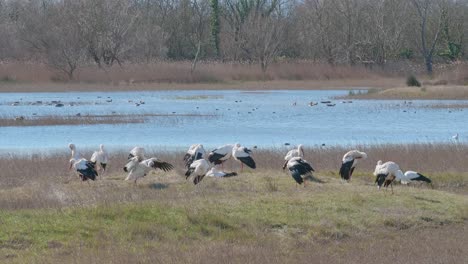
(336, 84)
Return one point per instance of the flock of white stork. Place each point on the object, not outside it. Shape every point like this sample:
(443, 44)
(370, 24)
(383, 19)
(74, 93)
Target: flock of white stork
(138, 166)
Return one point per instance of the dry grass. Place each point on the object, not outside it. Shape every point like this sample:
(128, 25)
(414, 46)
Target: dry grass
(164, 119)
(176, 75)
(448, 92)
(48, 216)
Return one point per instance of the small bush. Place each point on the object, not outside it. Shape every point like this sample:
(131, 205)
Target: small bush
(412, 81)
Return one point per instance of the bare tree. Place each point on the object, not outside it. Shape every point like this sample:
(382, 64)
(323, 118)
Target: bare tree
(430, 25)
(107, 27)
(261, 38)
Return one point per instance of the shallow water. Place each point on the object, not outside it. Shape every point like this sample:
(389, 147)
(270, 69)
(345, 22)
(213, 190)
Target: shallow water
(263, 118)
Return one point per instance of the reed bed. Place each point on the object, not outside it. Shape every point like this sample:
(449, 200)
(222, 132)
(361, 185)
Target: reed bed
(162, 119)
(180, 72)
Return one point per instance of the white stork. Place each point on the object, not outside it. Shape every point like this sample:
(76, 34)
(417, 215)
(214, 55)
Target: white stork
(215, 172)
(74, 153)
(455, 137)
(138, 152)
(411, 176)
(242, 154)
(221, 154)
(195, 152)
(386, 173)
(84, 168)
(100, 157)
(138, 169)
(298, 168)
(299, 152)
(349, 162)
(198, 169)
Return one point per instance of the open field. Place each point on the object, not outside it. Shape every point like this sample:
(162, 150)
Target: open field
(257, 217)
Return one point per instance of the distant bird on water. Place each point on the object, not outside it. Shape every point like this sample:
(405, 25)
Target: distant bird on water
(455, 137)
(349, 162)
(100, 157)
(298, 168)
(195, 152)
(138, 169)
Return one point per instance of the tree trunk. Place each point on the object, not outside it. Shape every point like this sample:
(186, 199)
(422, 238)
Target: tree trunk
(428, 60)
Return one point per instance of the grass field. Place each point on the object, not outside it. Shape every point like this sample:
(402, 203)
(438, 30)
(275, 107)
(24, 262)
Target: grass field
(258, 217)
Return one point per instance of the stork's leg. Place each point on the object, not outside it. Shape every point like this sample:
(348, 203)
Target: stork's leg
(304, 183)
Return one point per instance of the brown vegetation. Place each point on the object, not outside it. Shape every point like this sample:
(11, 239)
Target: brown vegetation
(92, 119)
(449, 92)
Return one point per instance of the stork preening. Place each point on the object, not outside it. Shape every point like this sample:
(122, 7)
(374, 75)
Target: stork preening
(138, 152)
(386, 173)
(299, 152)
(198, 170)
(242, 154)
(100, 157)
(412, 176)
(195, 152)
(349, 162)
(138, 169)
(298, 168)
(221, 154)
(84, 168)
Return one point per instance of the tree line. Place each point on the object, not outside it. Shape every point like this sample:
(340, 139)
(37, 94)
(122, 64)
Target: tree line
(67, 34)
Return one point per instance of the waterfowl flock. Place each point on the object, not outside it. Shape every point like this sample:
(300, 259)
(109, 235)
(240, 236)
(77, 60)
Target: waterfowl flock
(198, 165)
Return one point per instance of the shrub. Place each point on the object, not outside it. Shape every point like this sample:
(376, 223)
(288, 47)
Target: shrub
(412, 81)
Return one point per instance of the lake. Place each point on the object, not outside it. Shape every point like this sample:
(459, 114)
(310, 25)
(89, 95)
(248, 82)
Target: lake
(262, 118)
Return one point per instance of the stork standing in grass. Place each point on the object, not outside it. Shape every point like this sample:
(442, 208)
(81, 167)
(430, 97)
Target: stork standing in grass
(221, 154)
(198, 170)
(298, 168)
(138, 169)
(349, 162)
(100, 157)
(412, 176)
(195, 152)
(74, 153)
(138, 152)
(299, 152)
(242, 154)
(84, 168)
(386, 173)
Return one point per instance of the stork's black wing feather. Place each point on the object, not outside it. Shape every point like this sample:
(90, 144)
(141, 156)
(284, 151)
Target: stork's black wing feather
(305, 167)
(346, 169)
(296, 174)
(214, 157)
(198, 179)
(162, 165)
(188, 172)
(422, 178)
(248, 161)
